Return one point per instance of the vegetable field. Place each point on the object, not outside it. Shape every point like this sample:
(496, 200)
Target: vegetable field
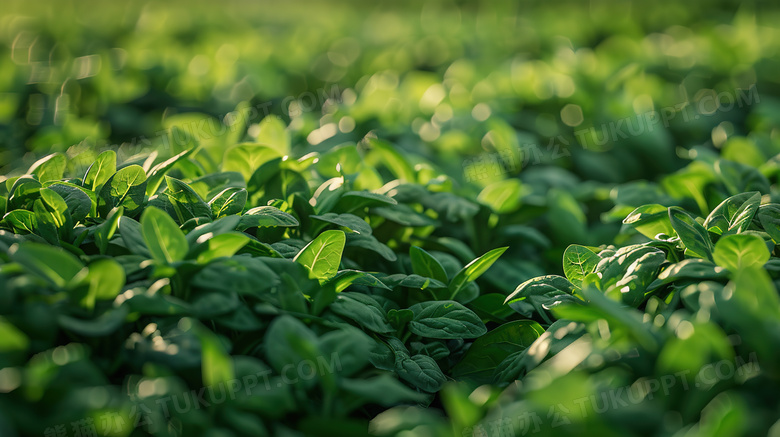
(344, 219)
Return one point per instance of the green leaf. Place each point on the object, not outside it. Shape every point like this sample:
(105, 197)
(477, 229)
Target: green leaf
(21, 221)
(23, 192)
(51, 263)
(350, 346)
(100, 171)
(540, 294)
(79, 202)
(49, 168)
(383, 390)
(165, 240)
(238, 274)
(362, 309)
(103, 280)
(769, 216)
(57, 211)
(266, 216)
(156, 173)
(749, 305)
(101, 326)
(615, 313)
(218, 226)
(344, 158)
(691, 268)
(579, 262)
(132, 236)
(650, 220)
(369, 242)
(491, 349)
(400, 318)
(105, 230)
(566, 218)
(216, 362)
(503, 196)
(126, 188)
(691, 233)
(404, 215)
(424, 264)
(630, 271)
(387, 154)
(345, 278)
(185, 201)
(228, 202)
(451, 207)
(247, 158)
(46, 222)
(322, 256)
(12, 338)
(735, 252)
(349, 221)
(445, 319)
(289, 342)
(739, 178)
(357, 200)
(412, 281)
(734, 214)
(273, 133)
(703, 343)
(421, 371)
(490, 307)
(474, 270)
(223, 245)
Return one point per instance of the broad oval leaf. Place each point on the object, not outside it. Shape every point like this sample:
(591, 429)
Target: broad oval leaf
(223, 245)
(78, 201)
(238, 274)
(21, 221)
(420, 371)
(165, 240)
(424, 264)
(736, 252)
(488, 351)
(503, 196)
(54, 264)
(650, 220)
(100, 171)
(446, 320)
(126, 188)
(103, 280)
(369, 242)
(579, 262)
(322, 256)
(769, 216)
(228, 202)
(49, 168)
(185, 201)
(362, 309)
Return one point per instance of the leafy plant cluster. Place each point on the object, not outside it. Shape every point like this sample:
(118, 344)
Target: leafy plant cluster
(129, 270)
(129, 277)
(360, 264)
(674, 332)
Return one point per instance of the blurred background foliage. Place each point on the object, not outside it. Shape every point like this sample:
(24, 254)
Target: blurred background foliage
(444, 78)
